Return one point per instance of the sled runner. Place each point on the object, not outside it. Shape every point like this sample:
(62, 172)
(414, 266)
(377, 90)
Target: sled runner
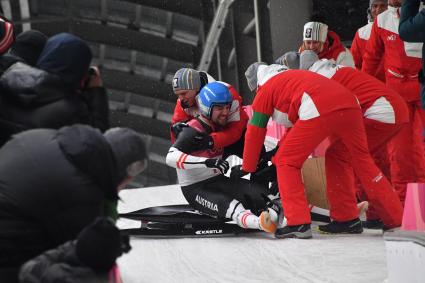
(184, 221)
(179, 221)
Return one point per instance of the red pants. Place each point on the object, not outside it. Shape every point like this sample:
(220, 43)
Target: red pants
(378, 134)
(346, 129)
(406, 152)
(380, 156)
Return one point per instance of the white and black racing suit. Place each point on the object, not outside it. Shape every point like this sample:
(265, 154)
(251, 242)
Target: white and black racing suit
(207, 189)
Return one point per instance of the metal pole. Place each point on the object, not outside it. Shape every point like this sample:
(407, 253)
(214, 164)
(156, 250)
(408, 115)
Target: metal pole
(217, 51)
(257, 31)
(214, 34)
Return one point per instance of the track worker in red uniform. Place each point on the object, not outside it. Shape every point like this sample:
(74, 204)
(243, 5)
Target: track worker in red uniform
(314, 108)
(186, 85)
(384, 114)
(326, 44)
(362, 35)
(402, 65)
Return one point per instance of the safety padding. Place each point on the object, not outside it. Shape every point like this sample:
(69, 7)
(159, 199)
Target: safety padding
(414, 208)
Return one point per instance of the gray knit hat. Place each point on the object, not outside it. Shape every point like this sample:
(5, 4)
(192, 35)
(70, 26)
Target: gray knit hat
(251, 75)
(315, 31)
(307, 59)
(186, 78)
(290, 59)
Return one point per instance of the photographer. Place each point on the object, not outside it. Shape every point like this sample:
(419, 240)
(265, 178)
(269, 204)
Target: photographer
(61, 90)
(411, 28)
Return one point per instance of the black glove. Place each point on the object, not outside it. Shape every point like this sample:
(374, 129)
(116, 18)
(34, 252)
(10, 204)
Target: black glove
(237, 172)
(178, 127)
(220, 164)
(267, 156)
(266, 174)
(203, 141)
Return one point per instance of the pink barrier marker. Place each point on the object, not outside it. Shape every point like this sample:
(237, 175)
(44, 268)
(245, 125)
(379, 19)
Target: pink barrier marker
(414, 208)
(273, 130)
(114, 275)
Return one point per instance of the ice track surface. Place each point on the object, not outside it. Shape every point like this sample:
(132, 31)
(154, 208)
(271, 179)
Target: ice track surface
(255, 257)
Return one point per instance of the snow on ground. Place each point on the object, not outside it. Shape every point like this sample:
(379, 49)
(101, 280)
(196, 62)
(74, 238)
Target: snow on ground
(255, 257)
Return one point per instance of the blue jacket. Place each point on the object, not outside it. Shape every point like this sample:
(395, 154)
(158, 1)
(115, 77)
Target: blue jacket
(412, 29)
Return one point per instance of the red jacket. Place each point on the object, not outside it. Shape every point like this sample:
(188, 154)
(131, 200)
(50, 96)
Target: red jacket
(358, 47)
(231, 133)
(334, 49)
(402, 59)
(289, 96)
(377, 101)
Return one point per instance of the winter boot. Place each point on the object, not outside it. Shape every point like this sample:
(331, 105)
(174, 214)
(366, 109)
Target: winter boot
(346, 227)
(373, 224)
(302, 231)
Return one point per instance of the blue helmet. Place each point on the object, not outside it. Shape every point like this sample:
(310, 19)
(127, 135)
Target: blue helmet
(212, 94)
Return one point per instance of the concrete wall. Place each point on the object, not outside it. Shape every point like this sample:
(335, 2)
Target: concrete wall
(287, 18)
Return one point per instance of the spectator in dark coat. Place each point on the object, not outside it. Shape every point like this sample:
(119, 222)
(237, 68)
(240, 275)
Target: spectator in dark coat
(89, 259)
(57, 93)
(412, 29)
(55, 182)
(27, 48)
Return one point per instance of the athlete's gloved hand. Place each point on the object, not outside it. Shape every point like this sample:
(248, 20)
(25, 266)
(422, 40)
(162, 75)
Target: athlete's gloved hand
(178, 127)
(203, 141)
(220, 164)
(237, 172)
(267, 156)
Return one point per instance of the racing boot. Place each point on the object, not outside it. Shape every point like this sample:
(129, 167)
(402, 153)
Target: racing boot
(344, 227)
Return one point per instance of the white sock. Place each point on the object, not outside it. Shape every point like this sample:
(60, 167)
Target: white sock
(242, 216)
(246, 219)
(274, 217)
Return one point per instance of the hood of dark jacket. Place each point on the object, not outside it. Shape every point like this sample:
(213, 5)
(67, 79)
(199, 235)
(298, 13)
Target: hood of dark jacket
(128, 147)
(7, 60)
(28, 45)
(30, 86)
(89, 151)
(67, 56)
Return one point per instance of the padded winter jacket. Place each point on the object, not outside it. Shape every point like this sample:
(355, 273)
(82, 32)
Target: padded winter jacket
(412, 29)
(60, 265)
(334, 49)
(402, 59)
(52, 184)
(32, 98)
(358, 47)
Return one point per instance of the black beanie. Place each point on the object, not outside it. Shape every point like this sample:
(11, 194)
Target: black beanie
(99, 244)
(128, 147)
(28, 45)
